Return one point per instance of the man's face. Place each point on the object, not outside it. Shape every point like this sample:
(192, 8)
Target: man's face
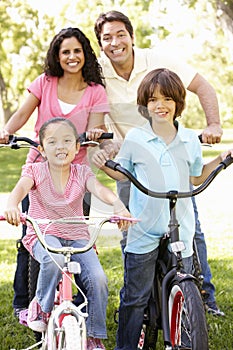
(116, 42)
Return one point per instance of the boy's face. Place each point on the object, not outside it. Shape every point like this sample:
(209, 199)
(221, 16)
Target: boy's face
(116, 42)
(59, 144)
(161, 108)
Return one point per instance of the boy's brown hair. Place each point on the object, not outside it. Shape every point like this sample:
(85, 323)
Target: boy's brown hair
(170, 85)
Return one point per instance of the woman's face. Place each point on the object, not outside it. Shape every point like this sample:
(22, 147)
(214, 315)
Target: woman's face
(161, 107)
(71, 55)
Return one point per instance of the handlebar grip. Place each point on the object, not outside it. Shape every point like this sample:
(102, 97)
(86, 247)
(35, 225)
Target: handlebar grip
(106, 135)
(227, 161)
(111, 164)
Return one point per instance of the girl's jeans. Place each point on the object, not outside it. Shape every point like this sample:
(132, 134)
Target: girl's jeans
(92, 277)
(138, 280)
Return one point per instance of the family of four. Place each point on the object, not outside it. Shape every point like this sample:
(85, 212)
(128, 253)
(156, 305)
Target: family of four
(139, 94)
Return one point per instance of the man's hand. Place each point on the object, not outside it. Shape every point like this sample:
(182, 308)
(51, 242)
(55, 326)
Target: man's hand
(212, 134)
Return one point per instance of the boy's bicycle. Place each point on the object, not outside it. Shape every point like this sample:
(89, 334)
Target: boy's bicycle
(175, 304)
(66, 328)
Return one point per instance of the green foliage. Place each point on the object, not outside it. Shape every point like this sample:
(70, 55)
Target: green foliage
(24, 39)
(25, 36)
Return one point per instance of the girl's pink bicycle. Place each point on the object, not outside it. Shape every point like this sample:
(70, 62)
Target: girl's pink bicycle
(66, 329)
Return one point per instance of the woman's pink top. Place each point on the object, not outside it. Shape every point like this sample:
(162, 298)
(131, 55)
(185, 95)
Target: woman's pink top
(94, 100)
(46, 202)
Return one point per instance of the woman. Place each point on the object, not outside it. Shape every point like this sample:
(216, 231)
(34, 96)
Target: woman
(70, 87)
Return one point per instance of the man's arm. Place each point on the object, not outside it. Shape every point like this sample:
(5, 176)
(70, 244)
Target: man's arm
(209, 102)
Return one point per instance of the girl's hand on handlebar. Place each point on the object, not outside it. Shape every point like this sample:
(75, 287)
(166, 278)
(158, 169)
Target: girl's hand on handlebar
(120, 210)
(12, 216)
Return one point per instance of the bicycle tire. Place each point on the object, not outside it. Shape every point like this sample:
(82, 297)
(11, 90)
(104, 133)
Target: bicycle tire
(188, 329)
(72, 337)
(149, 332)
(33, 271)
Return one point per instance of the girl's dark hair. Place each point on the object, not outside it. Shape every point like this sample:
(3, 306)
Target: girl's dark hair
(170, 85)
(111, 16)
(56, 120)
(91, 71)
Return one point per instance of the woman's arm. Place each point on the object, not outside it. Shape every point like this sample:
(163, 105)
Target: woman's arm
(20, 117)
(21, 189)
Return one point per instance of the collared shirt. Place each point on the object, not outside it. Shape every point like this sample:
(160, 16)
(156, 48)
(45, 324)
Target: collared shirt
(122, 94)
(160, 167)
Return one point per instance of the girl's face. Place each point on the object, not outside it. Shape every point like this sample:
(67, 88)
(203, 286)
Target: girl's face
(161, 108)
(71, 55)
(59, 144)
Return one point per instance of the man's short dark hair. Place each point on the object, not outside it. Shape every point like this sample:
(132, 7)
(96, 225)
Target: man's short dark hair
(111, 16)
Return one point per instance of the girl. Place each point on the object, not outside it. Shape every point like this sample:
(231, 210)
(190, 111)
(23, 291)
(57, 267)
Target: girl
(56, 189)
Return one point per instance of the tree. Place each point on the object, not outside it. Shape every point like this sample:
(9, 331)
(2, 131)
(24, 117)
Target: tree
(23, 40)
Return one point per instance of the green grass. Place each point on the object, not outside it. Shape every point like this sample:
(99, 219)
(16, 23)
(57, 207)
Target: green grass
(14, 335)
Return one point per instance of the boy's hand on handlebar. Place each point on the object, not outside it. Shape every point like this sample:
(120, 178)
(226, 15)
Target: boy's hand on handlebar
(212, 134)
(12, 216)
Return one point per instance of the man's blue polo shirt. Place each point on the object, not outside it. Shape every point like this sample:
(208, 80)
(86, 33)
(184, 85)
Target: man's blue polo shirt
(160, 167)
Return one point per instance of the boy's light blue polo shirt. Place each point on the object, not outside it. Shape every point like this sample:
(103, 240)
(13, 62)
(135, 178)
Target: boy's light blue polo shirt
(161, 168)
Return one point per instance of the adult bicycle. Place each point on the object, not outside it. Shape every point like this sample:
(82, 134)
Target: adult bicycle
(66, 329)
(175, 305)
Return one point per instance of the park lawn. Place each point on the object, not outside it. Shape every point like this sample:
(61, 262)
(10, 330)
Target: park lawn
(15, 336)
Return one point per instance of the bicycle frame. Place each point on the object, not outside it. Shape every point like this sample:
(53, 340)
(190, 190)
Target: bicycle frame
(63, 306)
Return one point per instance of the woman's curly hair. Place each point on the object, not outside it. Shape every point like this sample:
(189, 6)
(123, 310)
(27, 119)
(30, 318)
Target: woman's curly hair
(91, 71)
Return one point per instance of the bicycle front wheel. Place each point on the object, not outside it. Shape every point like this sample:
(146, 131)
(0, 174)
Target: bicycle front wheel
(187, 321)
(73, 336)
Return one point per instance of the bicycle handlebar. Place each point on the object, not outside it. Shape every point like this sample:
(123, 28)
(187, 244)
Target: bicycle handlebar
(13, 140)
(171, 194)
(73, 220)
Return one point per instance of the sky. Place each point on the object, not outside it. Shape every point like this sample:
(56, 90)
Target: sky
(51, 7)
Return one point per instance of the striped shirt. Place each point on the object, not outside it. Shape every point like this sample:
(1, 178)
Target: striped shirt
(46, 202)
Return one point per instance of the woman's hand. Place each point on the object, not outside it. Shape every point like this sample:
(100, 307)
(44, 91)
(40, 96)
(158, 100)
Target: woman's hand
(94, 134)
(4, 136)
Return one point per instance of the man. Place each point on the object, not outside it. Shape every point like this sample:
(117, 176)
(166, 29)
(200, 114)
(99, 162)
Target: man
(124, 66)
